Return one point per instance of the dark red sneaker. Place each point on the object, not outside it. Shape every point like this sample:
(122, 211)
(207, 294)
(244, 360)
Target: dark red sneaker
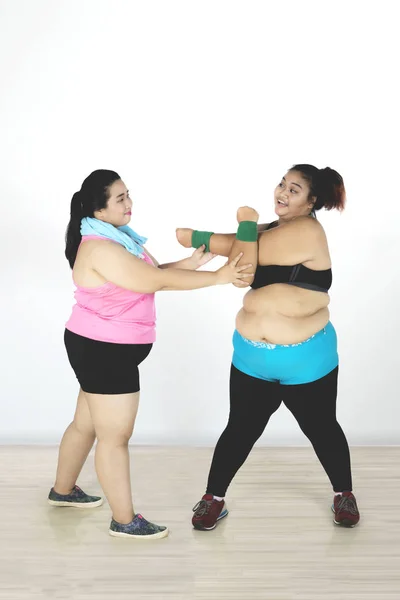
(208, 512)
(346, 510)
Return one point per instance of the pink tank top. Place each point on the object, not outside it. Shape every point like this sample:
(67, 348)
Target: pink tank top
(109, 313)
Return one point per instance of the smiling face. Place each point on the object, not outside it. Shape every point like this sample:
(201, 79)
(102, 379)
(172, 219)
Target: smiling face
(292, 197)
(118, 209)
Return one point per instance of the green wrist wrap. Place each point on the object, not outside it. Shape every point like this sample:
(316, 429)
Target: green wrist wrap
(201, 237)
(247, 231)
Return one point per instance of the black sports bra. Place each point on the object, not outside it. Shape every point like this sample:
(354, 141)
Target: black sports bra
(298, 275)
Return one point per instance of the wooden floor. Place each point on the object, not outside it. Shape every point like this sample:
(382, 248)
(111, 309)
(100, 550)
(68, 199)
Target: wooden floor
(278, 543)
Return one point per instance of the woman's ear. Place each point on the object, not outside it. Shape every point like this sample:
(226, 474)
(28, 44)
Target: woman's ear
(312, 202)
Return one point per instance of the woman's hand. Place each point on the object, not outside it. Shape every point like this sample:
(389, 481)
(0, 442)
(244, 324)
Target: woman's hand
(184, 236)
(231, 273)
(245, 213)
(199, 258)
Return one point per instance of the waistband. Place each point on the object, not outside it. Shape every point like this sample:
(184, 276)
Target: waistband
(268, 346)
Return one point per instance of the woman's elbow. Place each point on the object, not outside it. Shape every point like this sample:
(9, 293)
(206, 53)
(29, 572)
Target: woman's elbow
(159, 280)
(148, 285)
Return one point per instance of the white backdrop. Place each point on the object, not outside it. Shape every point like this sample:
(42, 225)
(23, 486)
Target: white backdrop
(201, 106)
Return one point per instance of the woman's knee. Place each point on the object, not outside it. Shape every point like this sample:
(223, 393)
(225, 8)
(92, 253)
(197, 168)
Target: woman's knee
(84, 427)
(322, 431)
(244, 432)
(114, 417)
(113, 436)
(82, 421)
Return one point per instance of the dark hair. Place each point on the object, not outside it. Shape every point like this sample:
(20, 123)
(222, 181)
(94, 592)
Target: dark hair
(93, 195)
(326, 184)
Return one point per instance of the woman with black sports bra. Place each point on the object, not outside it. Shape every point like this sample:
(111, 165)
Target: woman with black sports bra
(285, 347)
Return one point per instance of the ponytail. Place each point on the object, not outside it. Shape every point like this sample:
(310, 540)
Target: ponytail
(93, 196)
(330, 190)
(73, 235)
(326, 184)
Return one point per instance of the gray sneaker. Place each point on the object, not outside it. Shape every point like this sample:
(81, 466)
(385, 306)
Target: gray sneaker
(77, 498)
(139, 528)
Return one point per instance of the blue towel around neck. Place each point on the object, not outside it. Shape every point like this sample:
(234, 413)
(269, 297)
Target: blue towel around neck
(124, 235)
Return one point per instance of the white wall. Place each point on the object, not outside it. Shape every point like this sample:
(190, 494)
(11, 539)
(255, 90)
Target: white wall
(201, 107)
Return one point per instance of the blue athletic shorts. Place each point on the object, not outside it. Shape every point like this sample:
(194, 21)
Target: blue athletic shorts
(288, 364)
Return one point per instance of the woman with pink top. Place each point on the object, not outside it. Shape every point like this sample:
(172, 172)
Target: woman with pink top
(110, 332)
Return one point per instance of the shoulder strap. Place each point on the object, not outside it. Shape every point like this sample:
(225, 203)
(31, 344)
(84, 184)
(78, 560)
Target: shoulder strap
(272, 225)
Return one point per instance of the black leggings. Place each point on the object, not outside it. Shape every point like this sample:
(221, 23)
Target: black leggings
(253, 401)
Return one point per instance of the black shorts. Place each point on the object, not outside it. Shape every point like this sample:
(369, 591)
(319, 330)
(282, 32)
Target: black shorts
(103, 367)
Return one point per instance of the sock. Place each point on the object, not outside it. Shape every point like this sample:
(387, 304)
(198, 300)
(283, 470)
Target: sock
(218, 498)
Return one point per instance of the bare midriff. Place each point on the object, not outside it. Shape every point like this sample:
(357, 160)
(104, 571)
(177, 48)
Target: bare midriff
(282, 314)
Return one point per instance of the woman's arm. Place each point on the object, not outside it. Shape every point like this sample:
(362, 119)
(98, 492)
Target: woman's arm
(184, 264)
(191, 263)
(220, 243)
(118, 266)
(244, 242)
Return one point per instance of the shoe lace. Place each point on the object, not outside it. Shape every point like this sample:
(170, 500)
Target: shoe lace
(201, 508)
(348, 504)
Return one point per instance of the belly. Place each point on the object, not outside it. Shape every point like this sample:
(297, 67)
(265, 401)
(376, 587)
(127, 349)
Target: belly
(282, 314)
